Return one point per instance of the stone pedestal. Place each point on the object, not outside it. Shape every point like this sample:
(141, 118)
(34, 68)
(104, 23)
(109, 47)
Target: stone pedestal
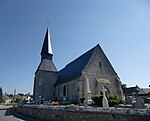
(139, 103)
(128, 100)
(104, 101)
(87, 93)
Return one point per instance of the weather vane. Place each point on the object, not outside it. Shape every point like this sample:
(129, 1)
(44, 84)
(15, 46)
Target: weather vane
(47, 23)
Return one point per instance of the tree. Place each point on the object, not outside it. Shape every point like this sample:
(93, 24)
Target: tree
(18, 100)
(10, 95)
(21, 94)
(1, 99)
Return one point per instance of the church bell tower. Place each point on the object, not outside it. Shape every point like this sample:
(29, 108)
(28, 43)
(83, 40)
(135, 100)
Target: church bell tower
(46, 73)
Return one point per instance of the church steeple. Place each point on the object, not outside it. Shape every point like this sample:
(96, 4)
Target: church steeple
(46, 73)
(46, 52)
(46, 55)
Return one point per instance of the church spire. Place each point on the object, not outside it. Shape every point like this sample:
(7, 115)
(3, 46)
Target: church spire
(46, 48)
(46, 63)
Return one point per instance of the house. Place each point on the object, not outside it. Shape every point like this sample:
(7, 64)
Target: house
(7, 99)
(146, 90)
(68, 84)
(133, 91)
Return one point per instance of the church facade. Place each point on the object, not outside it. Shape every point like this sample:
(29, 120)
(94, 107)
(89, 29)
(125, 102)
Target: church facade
(68, 84)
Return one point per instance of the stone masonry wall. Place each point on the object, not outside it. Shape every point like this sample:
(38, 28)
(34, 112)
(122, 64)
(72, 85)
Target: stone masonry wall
(99, 67)
(76, 113)
(44, 81)
(71, 91)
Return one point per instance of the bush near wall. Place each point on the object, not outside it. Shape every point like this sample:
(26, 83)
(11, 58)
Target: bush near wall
(112, 100)
(82, 99)
(115, 100)
(97, 100)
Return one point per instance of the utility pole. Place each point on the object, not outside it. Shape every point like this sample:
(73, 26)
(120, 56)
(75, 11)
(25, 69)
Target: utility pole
(14, 98)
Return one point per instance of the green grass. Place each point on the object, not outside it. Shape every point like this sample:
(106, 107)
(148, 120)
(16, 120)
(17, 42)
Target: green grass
(8, 104)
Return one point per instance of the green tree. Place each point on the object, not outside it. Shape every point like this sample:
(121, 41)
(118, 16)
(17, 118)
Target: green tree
(18, 100)
(1, 99)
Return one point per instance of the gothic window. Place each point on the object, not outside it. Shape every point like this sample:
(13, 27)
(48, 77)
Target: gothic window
(67, 89)
(101, 93)
(100, 64)
(58, 92)
(64, 90)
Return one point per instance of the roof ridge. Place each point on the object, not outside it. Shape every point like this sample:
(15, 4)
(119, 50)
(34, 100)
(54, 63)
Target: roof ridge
(75, 67)
(82, 55)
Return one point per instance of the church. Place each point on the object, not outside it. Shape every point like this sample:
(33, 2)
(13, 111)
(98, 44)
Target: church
(68, 84)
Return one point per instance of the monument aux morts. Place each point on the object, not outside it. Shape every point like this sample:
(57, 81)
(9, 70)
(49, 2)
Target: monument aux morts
(68, 84)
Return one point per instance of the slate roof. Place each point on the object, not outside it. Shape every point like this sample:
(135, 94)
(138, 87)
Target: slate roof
(46, 48)
(6, 97)
(146, 90)
(74, 69)
(133, 90)
(46, 65)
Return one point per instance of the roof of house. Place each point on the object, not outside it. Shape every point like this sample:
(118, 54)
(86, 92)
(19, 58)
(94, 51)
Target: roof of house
(74, 69)
(20, 97)
(133, 90)
(6, 97)
(146, 90)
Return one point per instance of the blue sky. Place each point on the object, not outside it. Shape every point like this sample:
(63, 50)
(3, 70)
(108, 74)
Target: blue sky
(121, 27)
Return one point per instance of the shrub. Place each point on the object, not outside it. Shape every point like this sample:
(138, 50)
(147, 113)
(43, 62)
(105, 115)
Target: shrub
(97, 100)
(1, 99)
(114, 100)
(18, 100)
(82, 99)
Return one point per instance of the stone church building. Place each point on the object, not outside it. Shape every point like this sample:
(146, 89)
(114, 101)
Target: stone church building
(68, 84)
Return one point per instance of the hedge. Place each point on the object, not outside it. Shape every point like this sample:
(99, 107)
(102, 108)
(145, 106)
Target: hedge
(112, 100)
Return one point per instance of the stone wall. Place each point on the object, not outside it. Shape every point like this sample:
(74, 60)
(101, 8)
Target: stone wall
(71, 91)
(76, 113)
(43, 85)
(99, 67)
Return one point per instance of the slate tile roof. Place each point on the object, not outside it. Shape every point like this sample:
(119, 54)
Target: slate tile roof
(133, 90)
(46, 65)
(146, 90)
(46, 48)
(74, 69)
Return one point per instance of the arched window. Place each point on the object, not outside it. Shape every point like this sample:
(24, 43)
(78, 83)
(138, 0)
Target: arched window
(64, 90)
(100, 65)
(58, 93)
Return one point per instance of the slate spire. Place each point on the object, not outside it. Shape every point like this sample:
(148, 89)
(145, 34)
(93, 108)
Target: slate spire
(46, 63)
(46, 51)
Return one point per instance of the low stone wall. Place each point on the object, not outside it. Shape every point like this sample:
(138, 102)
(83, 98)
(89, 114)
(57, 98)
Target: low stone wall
(78, 113)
